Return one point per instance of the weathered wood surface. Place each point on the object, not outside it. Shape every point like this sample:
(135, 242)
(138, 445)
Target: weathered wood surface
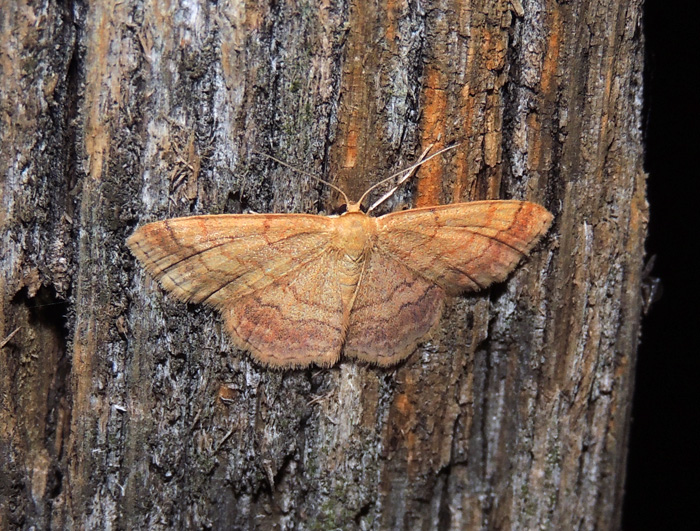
(120, 406)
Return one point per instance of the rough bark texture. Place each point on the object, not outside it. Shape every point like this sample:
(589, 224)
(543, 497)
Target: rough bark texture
(121, 407)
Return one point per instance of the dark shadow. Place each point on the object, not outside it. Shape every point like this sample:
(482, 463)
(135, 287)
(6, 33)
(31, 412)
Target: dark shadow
(662, 489)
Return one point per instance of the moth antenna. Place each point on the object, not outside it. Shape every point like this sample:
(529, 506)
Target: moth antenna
(330, 185)
(403, 179)
(408, 173)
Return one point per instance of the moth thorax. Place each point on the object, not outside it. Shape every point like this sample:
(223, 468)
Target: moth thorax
(354, 233)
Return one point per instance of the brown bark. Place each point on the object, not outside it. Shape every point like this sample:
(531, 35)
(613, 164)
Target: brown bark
(123, 407)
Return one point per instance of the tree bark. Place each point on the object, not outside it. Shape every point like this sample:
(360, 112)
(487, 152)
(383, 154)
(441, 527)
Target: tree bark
(122, 407)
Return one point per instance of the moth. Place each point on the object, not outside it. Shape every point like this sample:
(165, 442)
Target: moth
(299, 289)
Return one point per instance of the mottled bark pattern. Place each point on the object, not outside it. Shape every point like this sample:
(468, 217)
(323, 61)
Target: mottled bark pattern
(123, 407)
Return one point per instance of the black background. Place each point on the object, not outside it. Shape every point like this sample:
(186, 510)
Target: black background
(663, 475)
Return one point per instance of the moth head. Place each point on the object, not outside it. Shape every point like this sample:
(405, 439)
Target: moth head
(353, 206)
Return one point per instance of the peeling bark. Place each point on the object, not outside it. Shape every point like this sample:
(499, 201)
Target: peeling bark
(120, 406)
